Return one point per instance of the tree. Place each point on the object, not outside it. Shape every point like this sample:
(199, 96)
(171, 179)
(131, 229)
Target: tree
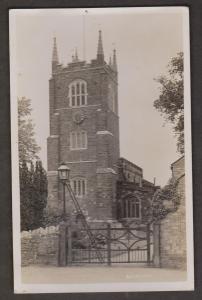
(28, 147)
(26, 214)
(39, 195)
(168, 194)
(33, 195)
(164, 201)
(33, 179)
(171, 99)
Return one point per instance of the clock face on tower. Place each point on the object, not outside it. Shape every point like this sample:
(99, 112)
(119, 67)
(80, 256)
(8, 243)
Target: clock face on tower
(78, 117)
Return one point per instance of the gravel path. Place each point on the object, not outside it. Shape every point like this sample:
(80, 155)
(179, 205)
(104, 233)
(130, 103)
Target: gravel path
(99, 274)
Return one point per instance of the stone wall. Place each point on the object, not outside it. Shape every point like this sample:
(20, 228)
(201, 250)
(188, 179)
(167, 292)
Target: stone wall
(40, 246)
(129, 172)
(173, 227)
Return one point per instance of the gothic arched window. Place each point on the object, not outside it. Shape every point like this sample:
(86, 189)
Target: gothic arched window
(78, 140)
(78, 93)
(78, 185)
(131, 208)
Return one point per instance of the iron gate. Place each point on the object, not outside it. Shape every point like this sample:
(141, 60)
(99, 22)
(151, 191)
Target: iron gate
(112, 245)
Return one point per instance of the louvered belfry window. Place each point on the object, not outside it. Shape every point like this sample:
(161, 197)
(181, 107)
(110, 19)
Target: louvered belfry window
(78, 140)
(78, 93)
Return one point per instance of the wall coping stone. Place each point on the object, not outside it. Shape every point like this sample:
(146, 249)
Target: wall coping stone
(104, 132)
(105, 170)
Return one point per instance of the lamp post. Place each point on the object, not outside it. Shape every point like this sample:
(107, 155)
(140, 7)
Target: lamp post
(63, 175)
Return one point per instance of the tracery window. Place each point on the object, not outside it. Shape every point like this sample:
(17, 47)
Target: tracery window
(78, 93)
(78, 140)
(131, 208)
(78, 186)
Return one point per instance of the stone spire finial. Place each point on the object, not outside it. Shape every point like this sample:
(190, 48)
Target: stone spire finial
(114, 60)
(76, 56)
(110, 61)
(100, 52)
(55, 60)
(55, 52)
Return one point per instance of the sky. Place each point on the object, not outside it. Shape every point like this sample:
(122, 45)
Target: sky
(145, 40)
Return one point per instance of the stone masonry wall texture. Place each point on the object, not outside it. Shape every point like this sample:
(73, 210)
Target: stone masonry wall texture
(173, 227)
(97, 163)
(40, 246)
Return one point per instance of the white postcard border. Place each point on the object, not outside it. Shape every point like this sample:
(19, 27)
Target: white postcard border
(106, 287)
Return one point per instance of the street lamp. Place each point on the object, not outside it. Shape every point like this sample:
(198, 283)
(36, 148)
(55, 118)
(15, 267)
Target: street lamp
(63, 175)
(63, 172)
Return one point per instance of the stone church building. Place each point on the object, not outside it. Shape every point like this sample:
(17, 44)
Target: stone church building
(84, 133)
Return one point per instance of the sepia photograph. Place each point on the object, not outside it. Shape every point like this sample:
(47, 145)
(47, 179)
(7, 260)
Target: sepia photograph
(101, 149)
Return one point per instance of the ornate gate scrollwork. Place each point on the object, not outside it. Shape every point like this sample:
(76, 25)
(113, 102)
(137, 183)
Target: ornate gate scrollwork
(130, 244)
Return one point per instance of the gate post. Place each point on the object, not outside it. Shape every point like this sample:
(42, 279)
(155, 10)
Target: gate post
(62, 245)
(108, 244)
(148, 245)
(69, 244)
(156, 237)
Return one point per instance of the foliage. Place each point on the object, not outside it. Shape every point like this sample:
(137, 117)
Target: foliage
(28, 147)
(164, 201)
(53, 220)
(171, 99)
(33, 179)
(33, 195)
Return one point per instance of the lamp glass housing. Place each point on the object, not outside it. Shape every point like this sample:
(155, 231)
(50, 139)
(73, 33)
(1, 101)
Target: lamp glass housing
(63, 172)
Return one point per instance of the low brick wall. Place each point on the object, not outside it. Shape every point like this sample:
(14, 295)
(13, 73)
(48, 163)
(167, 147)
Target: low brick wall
(40, 246)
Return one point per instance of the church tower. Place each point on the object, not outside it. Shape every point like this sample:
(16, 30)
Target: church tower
(84, 133)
